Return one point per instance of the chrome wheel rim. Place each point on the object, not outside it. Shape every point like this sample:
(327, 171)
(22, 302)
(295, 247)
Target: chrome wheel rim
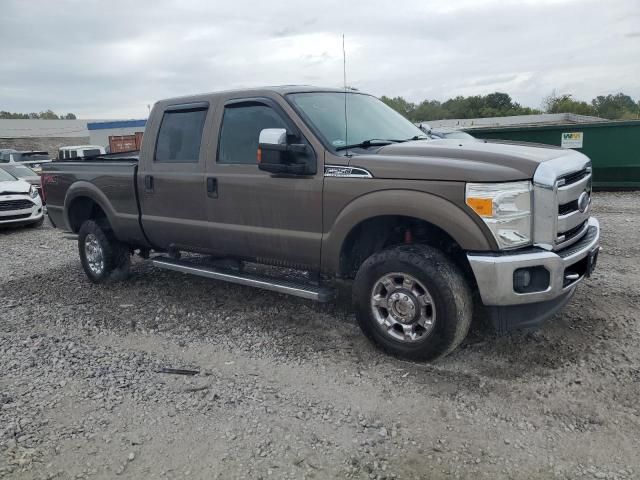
(403, 307)
(94, 254)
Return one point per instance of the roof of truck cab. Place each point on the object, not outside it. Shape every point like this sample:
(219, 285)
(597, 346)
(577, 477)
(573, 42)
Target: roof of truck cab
(279, 89)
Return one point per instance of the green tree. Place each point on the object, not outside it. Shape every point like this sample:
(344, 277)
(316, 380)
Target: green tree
(499, 101)
(565, 104)
(615, 106)
(46, 115)
(400, 105)
(429, 110)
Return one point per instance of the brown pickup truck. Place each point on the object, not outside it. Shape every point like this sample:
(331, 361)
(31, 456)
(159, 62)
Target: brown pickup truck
(341, 192)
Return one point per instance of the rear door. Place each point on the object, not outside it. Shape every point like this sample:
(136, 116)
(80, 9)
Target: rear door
(171, 178)
(253, 214)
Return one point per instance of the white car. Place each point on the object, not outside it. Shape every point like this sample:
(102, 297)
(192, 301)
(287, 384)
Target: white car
(20, 203)
(31, 158)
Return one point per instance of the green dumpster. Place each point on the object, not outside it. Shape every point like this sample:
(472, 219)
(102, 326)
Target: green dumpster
(613, 146)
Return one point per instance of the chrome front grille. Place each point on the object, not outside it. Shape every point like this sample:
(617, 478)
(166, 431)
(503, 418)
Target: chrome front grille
(562, 201)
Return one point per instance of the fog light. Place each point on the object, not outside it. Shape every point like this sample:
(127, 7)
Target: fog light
(521, 279)
(532, 279)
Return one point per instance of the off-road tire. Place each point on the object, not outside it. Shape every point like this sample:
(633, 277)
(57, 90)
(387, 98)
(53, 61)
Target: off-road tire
(116, 255)
(447, 286)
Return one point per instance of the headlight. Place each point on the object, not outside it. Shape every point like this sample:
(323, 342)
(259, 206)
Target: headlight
(505, 208)
(33, 192)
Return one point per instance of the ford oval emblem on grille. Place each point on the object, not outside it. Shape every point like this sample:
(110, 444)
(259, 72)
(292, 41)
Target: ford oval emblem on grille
(583, 202)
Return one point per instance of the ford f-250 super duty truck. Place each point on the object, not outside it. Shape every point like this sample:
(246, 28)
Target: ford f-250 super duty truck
(336, 184)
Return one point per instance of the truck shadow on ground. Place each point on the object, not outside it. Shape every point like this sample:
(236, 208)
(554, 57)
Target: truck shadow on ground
(241, 318)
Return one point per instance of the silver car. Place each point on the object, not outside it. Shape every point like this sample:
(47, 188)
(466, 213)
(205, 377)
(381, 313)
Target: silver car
(20, 202)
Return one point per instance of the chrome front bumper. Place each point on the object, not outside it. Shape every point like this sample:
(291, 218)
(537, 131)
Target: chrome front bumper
(495, 273)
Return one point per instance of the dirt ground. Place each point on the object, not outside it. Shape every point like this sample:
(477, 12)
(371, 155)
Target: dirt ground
(291, 389)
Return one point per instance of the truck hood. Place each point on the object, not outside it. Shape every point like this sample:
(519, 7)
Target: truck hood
(17, 186)
(459, 160)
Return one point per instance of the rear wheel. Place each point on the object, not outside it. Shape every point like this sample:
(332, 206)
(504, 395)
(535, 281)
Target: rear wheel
(412, 301)
(103, 257)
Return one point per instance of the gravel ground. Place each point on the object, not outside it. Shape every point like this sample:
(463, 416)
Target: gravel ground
(291, 389)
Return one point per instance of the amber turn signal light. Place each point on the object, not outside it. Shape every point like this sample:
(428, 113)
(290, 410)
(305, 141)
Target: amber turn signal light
(482, 206)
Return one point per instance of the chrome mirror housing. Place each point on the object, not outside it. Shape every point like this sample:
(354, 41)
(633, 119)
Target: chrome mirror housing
(273, 136)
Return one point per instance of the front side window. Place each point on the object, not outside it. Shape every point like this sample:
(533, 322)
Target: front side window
(367, 118)
(241, 126)
(180, 136)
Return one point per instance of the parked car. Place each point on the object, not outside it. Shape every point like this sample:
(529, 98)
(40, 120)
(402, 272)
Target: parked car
(20, 202)
(22, 172)
(73, 152)
(31, 158)
(359, 198)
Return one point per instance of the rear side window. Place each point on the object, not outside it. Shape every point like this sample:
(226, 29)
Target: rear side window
(180, 136)
(91, 152)
(241, 126)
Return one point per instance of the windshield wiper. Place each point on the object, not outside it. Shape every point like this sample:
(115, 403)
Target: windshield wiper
(372, 142)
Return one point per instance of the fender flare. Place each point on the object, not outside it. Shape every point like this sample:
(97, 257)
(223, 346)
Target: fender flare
(444, 214)
(83, 188)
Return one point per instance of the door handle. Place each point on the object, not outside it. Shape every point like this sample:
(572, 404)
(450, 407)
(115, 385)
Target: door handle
(148, 183)
(212, 187)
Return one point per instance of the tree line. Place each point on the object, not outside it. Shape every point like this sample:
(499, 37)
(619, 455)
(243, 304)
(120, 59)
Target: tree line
(613, 107)
(46, 115)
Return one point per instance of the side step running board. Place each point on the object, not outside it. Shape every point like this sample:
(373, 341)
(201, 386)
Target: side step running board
(298, 289)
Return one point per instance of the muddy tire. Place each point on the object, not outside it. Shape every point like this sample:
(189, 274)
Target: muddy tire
(104, 258)
(413, 302)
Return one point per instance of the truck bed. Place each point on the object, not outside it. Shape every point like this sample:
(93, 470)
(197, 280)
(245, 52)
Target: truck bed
(110, 181)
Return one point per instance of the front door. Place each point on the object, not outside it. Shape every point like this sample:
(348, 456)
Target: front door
(171, 180)
(254, 214)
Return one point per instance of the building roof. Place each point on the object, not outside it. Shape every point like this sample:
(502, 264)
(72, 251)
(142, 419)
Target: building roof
(115, 124)
(515, 120)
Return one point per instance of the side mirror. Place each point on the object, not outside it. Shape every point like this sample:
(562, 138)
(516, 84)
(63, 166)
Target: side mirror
(277, 155)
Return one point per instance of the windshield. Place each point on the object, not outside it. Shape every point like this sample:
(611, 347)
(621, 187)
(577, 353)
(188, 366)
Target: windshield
(29, 157)
(367, 118)
(6, 177)
(19, 171)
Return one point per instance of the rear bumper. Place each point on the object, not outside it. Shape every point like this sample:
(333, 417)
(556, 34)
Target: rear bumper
(495, 273)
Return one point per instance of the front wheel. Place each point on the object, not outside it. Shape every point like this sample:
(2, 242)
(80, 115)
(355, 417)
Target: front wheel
(103, 257)
(413, 301)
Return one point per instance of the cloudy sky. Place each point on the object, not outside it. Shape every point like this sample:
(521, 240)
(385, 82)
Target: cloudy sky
(110, 59)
